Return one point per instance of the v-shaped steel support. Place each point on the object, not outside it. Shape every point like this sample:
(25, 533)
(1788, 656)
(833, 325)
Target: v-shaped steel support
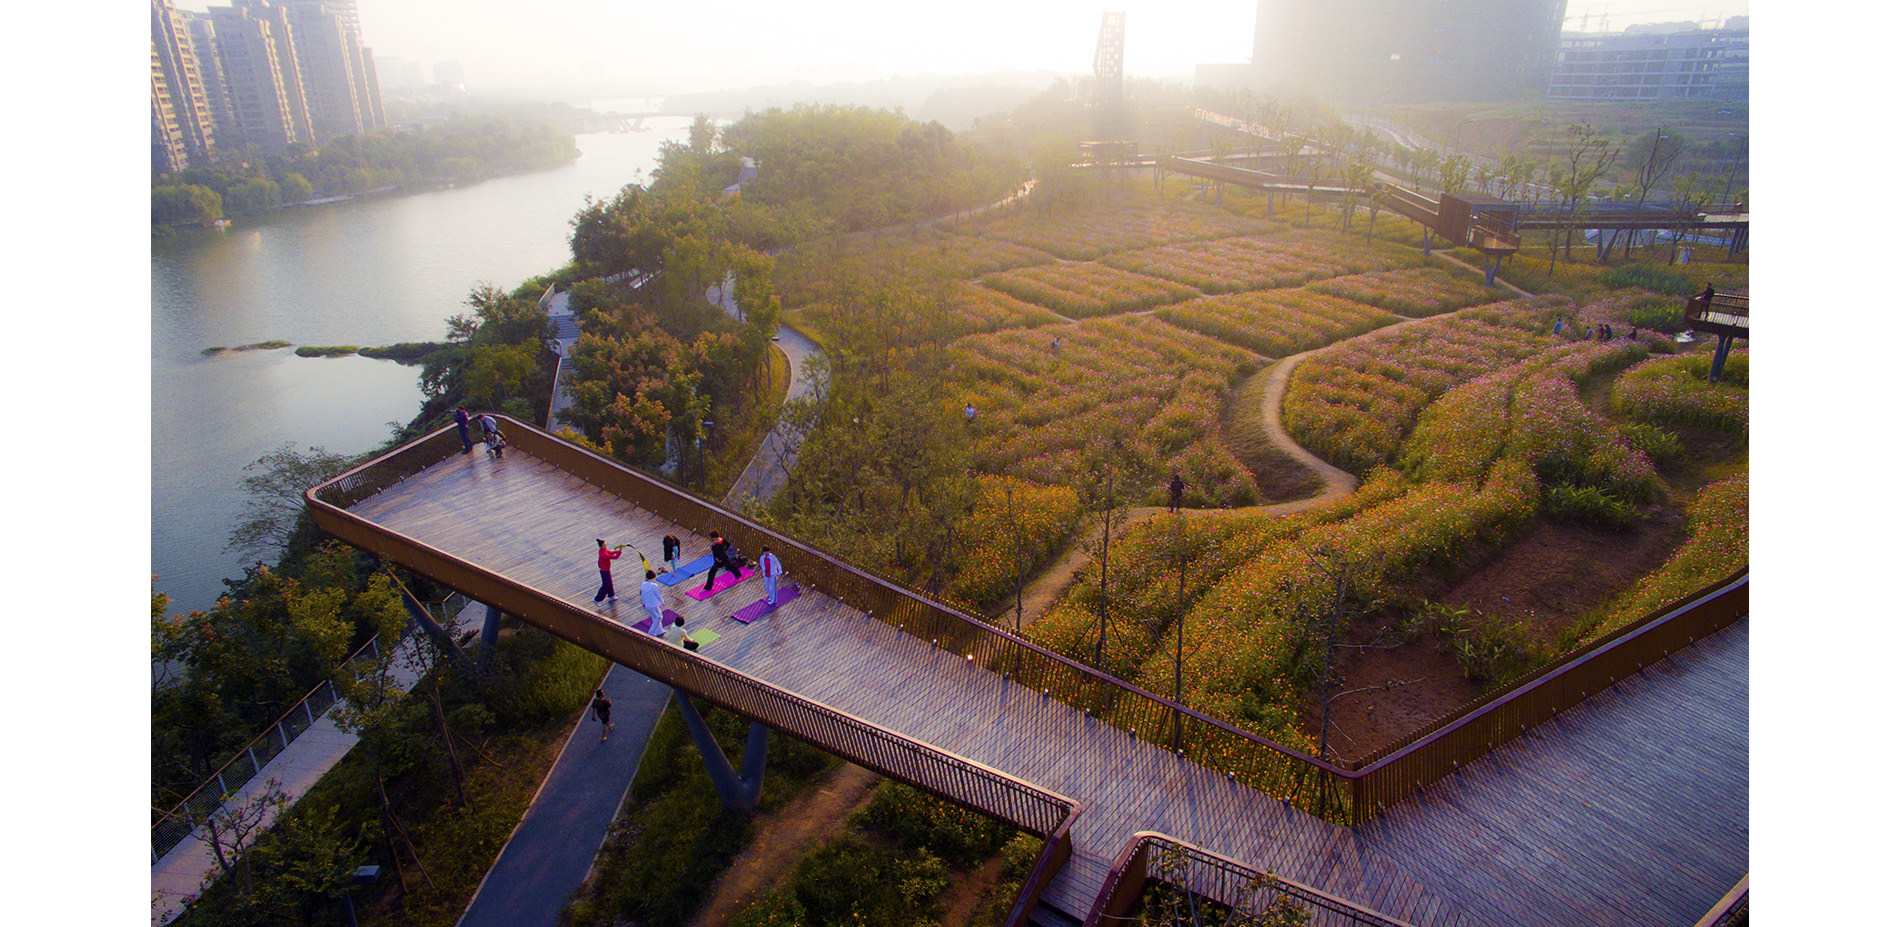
(740, 791)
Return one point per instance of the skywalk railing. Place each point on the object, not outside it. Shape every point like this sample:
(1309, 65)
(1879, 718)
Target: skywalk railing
(174, 825)
(1331, 791)
(971, 785)
(1150, 859)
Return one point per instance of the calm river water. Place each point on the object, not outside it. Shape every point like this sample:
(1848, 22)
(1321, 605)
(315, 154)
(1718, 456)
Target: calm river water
(364, 273)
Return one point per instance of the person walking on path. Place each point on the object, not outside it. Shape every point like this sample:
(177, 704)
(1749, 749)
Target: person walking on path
(604, 712)
(655, 604)
(461, 429)
(722, 557)
(1175, 486)
(670, 552)
(771, 569)
(607, 557)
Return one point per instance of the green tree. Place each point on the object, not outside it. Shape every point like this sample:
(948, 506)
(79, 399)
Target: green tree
(1590, 155)
(273, 498)
(176, 203)
(496, 372)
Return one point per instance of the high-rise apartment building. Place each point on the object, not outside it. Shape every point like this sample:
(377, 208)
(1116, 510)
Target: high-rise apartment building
(1394, 50)
(262, 73)
(339, 76)
(184, 128)
(1700, 64)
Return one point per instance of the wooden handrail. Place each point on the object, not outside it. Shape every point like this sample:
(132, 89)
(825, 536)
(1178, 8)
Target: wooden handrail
(1214, 876)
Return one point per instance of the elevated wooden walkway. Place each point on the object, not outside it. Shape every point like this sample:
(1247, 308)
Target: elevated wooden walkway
(519, 532)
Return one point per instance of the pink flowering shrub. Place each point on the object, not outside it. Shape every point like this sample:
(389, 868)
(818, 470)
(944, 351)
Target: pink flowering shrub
(1676, 391)
(1083, 290)
(1277, 322)
(1410, 291)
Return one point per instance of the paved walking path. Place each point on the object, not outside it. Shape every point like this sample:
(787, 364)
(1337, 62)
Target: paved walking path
(552, 849)
(182, 872)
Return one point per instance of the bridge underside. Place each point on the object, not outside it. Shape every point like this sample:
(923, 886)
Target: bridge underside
(518, 533)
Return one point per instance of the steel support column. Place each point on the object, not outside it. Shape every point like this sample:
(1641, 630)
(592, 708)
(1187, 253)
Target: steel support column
(740, 791)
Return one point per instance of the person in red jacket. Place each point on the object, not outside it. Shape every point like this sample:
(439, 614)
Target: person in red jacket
(606, 558)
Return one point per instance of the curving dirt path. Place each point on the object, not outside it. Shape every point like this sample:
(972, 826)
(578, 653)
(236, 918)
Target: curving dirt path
(1046, 590)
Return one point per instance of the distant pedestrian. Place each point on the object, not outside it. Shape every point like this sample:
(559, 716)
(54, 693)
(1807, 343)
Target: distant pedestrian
(651, 600)
(461, 429)
(488, 425)
(1708, 294)
(670, 552)
(603, 712)
(496, 441)
(1557, 329)
(1175, 486)
(969, 413)
(771, 569)
(722, 557)
(1632, 332)
(606, 559)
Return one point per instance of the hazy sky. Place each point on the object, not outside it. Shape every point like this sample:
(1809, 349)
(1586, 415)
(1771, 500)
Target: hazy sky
(687, 46)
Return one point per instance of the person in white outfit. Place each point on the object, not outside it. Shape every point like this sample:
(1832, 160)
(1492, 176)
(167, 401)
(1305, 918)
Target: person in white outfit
(771, 569)
(654, 604)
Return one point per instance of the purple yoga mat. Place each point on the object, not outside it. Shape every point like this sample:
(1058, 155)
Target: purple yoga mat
(645, 625)
(759, 609)
(724, 582)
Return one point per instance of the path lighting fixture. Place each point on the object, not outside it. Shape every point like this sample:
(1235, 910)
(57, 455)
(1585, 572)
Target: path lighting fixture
(362, 875)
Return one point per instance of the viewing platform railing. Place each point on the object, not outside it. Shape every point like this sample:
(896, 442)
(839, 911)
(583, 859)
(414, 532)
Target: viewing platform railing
(1331, 791)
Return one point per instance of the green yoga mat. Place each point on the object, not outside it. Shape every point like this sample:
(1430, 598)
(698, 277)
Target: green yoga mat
(702, 637)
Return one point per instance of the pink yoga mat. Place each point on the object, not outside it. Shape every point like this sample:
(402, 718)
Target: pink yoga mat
(725, 581)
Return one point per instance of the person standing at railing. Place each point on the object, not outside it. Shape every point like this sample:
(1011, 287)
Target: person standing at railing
(606, 558)
(461, 428)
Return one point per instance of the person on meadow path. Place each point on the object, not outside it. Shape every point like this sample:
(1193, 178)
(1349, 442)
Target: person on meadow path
(770, 568)
(1175, 486)
(722, 557)
(461, 428)
(651, 600)
(604, 712)
(606, 558)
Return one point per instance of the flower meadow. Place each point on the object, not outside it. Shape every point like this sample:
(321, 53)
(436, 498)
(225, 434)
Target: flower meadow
(970, 308)
(1232, 265)
(1277, 323)
(1717, 547)
(1155, 387)
(1354, 404)
(1676, 391)
(1084, 235)
(1536, 417)
(1415, 292)
(809, 274)
(1082, 290)
(1015, 526)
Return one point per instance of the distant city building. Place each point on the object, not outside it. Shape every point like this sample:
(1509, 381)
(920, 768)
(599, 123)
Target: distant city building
(260, 74)
(1396, 50)
(339, 76)
(1638, 64)
(184, 128)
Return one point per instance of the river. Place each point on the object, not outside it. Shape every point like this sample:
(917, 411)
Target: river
(369, 272)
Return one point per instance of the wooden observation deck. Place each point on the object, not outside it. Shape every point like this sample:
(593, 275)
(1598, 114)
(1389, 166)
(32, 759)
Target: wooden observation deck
(1584, 818)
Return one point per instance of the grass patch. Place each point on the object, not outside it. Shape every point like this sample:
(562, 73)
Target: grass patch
(1280, 477)
(674, 838)
(335, 350)
(405, 352)
(258, 346)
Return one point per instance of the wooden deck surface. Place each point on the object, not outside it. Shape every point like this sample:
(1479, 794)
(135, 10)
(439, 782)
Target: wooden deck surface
(1570, 822)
